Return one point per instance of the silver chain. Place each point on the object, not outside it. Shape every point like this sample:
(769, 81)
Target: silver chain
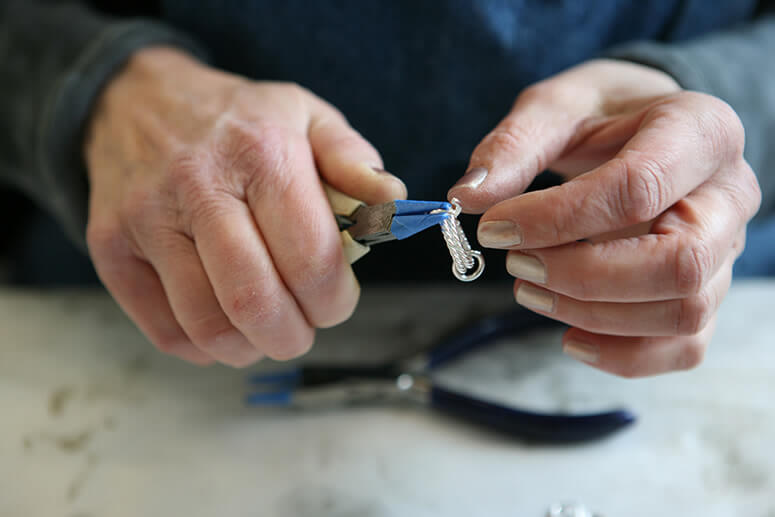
(464, 259)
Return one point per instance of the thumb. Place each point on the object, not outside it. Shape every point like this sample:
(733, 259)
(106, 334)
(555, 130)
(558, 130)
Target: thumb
(348, 162)
(535, 133)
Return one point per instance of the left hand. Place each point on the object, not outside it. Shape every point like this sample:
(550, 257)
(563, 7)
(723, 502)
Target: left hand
(658, 189)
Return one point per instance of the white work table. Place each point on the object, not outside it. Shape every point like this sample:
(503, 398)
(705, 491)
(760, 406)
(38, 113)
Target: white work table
(95, 423)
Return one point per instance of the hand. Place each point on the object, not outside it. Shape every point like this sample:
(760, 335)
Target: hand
(208, 222)
(635, 250)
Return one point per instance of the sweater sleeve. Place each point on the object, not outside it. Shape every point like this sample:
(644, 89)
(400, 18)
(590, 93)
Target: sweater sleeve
(55, 57)
(737, 66)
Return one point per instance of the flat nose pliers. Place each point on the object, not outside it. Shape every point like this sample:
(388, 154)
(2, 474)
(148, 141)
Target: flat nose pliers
(363, 226)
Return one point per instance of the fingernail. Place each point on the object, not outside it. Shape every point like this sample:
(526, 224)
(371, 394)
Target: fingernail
(584, 352)
(536, 298)
(499, 234)
(382, 172)
(526, 267)
(471, 179)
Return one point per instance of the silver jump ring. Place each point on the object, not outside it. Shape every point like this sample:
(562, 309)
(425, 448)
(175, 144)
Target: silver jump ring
(476, 273)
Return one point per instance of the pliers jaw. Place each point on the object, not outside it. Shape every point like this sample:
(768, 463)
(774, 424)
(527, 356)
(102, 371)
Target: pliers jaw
(361, 226)
(399, 219)
(312, 387)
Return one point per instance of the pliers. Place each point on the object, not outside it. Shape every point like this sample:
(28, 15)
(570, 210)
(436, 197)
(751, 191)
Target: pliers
(324, 385)
(362, 226)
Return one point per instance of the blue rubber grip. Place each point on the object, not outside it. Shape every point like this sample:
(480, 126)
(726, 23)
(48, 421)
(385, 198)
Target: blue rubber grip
(272, 398)
(404, 226)
(411, 207)
(526, 425)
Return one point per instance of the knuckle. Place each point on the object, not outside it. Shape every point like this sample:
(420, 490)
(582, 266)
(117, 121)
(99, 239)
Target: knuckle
(636, 364)
(142, 211)
(585, 288)
(511, 139)
(508, 138)
(564, 223)
(292, 350)
(205, 210)
(185, 170)
(629, 370)
(344, 307)
(207, 330)
(105, 241)
(292, 346)
(186, 191)
(690, 355)
(746, 193)
(316, 272)
(250, 148)
(265, 165)
(643, 190)
(252, 307)
(723, 128)
(743, 199)
(168, 344)
(673, 112)
(134, 207)
(693, 265)
(715, 121)
(320, 281)
(755, 191)
(694, 313)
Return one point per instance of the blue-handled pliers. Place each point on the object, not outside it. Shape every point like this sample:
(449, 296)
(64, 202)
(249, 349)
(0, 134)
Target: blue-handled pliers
(319, 386)
(363, 226)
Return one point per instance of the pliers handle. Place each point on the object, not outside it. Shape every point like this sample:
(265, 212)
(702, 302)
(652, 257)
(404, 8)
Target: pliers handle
(345, 206)
(331, 385)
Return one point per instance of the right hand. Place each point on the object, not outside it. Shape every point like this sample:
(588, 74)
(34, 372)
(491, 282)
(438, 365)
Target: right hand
(208, 222)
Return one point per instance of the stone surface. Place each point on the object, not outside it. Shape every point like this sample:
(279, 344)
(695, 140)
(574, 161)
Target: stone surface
(96, 423)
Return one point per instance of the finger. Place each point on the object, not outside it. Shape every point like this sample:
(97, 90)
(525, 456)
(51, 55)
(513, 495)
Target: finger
(136, 287)
(685, 316)
(633, 357)
(681, 143)
(534, 134)
(193, 301)
(301, 234)
(597, 141)
(688, 245)
(245, 281)
(347, 161)
(563, 122)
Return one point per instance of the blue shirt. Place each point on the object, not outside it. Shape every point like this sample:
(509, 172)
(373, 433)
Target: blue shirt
(425, 80)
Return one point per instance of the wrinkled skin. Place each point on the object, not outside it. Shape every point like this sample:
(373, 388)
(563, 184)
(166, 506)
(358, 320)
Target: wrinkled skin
(635, 250)
(209, 225)
(208, 222)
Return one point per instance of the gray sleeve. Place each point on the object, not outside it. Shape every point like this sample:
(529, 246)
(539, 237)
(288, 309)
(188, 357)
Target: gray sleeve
(737, 66)
(54, 59)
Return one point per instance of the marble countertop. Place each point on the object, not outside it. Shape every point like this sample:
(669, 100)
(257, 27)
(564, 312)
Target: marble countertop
(95, 423)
